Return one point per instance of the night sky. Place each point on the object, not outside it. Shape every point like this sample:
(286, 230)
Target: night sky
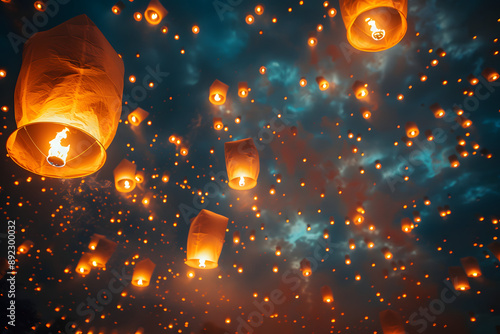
(302, 137)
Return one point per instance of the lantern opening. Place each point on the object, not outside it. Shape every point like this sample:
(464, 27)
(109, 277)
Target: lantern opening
(58, 153)
(377, 34)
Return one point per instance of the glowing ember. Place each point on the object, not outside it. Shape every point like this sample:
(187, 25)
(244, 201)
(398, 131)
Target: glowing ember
(58, 153)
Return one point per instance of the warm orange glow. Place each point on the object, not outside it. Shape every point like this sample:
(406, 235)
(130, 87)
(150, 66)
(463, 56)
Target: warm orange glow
(137, 116)
(312, 41)
(124, 175)
(242, 164)
(322, 83)
(142, 273)
(437, 110)
(137, 16)
(303, 82)
(218, 125)
(218, 91)
(243, 89)
(259, 9)
(195, 29)
(40, 6)
(411, 129)
(249, 19)
(453, 161)
(490, 74)
(332, 12)
(155, 12)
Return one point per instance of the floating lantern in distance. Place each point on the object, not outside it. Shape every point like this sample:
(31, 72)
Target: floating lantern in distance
(139, 176)
(458, 278)
(64, 127)
(440, 52)
(429, 135)
(472, 79)
(453, 161)
(406, 225)
(83, 266)
(278, 251)
(252, 235)
(143, 271)
(332, 12)
(378, 164)
(423, 77)
(155, 12)
(40, 6)
(347, 259)
(118, 7)
(236, 237)
(437, 110)
(3, 73)
(352, 244)
(137, 116)
(326, 233)
(462, 151)
(165, 177)
(326, 294)
(471, 266)
(312, 41)
(490, 74)
(262, 70)
(184, 151)
(416, 217)
(302, 82)
(103, 251)
(366, 113)
(463, 121)
(387, 253)
(411, 129)
(218, 125)
(249, 19)
(322, 83)
(137, 16)
(272, 190)
(25, 247)
(242, 164)
(360, 90)
(124, 175)
(305, 267)
(146, 200)
(195, 29)
(218, 92)
(94, 240)
(242, 89)
(294, 130)
(205, 240)
(391, 322)
(259, 9)
(374, 25)
(494, 247)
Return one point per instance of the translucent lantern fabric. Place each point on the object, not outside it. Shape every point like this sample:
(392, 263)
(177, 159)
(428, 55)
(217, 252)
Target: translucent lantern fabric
(142, 273)
(374, 25)
(205, 240)
(70, 78)
(242, 163)
(103, 251)
(391, 322)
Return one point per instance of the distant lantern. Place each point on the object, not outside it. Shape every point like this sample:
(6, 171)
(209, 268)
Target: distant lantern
(429, 135)
(118, 7)
(195, 29)
(347, 259)
(326, 294)
(302, 82)
(322, 83)
(146, 200)
(218, 92)
(391, 322)
(143, 271)
(103, 251)
(165, 177)
(40, 6)
(242, 164)
(423, 77)
(472, 79)
(25, 247)
(278, 251)
(218, 125)
(137, 116)
(463, 121)
(378, 164)
(312, 41)
(332, 12)
(293, 130)
(252, 235)
(205, 240)
(94, 240)
(124, 175)
(243, 89)
(67, 101)
(416, 216)
(494, 247)
(490, 74)
(236, 237)
(360, 90)
(440, 52)
(305, 267)
(139, 176)
(471, 266)
(411, 129)
(437, 110)
(387, 253)
(259, 9)
(366, 113)
(406, 225)
(155, 12)
(352, 244)
(453, 161)
(249, 19)
(83, 266)
(374, 25)
(458, 278)
(326, 233)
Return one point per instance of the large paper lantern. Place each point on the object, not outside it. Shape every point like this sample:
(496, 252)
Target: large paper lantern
(242, 163)
(360, 90)
(155, 12)
(142, 273)
(103, 251)
(67, 101)
(124, 175)
(391, 322)
(218, 92)
(374, 25)
(205, 240)
(83, 267)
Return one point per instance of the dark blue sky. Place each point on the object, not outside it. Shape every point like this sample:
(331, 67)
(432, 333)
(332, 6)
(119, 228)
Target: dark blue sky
(59, 216)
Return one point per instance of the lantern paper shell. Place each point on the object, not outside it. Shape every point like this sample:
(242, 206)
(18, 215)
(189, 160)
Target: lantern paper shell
(137, 116)
(471, 266)
(155, 12)
(205, 240)
(103, 251)
(124, 175)
(326, 294)
(242, 164)
(374, 25)
(323, 84)
(305, 267)
(242, 89)
(359, 89)
(391, 322)
(437, 110)
(78, 88)
(25, 247)
(218, 93)
(458, 278)
(494, 247)
(490, 74)
(118, 7)
(83, 267)
(142, 273)
(218, 125)
(411, 129)
(94, 240)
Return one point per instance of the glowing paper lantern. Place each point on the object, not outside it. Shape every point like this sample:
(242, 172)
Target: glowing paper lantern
(118, 7)
(437, 110)
(142, 273)
(94, 240)
(242, 163)
(103, 251)
(374, 25)
(406, 225)
(391, 322)
(494, 247)
(322, 83)
(454, 163)
(218, 92)
(411, 129)
(25, 247)
(472, 79)
(155, 12)
(359, 89)
(83, 266)
(139, 176)
(242, 89)
(490, 74)
(205, 240)
(305, 267)
(124, 175)
(471, 266)
(458, 278)
(137, 116)
(218, 125)
(236, 237)
(326, 294)
(67, 101)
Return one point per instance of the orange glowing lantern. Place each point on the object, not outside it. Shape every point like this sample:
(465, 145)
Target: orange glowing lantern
(83, 266)
(243, 89)
(259, 9)
(302, 82)
(326, 294)
(218, 92)
(411, 129)
(326, 233)
(242, 164)
(155, 12)
(305, 267)
(471, 266)
(236, 237)
(322, 83)
(40, 6)
(463, 121)
(347, 259)
(103, 251)
(252, 235)
(312, 41)
(94, 240)
(494, 247)
(437, 110)
(416, 217)
(137, 116)
(195, 29)
(387, 253)
(142, 273)
(249, 19)
(218, 125)
(490, 74)
(25, 247)
(458, 278)
(440, 52)
(454, 163)
(124, 175)
(374, 25)
(429, 135)
(278, 251)
(406, 225)
(64, 126)
(332, 12)
(472, 79)
(360, 90)
(391, 322)
(352, 244)
(423, 77)
(118, 7)
(139, 176)
(165, 177)
(205, 240)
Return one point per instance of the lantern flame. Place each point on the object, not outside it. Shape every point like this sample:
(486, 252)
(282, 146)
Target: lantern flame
(377, 34)
(217, 97)
(242, 181)
(126, 184)
(82, 270)
(202, 263)
(58, 153)
(94, 263)
(139, 282)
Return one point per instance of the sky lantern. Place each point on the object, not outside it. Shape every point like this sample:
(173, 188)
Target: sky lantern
(411, 129)
(83, 266)
(252, 235)
(360, 90)
(94, 240)
(249, 19)
(366, 113)
(437, 110)
(458, 278)
(137, 116)
(302, 82)
(472, 79)
(406, 225)
(103, 251)
(259, 9)
(326, 233)
(218, 125)
(326, 294)
(347, 259)
(305, 267)
(490, 74)
(124, 175)
(242, 163)
(278, 251)
(118, 7)
(454, 163)
(40, 6)
(236, 237)
(139, 176)
(25, 247)
(205, 240)
(471, 266)
(64, 126)
(352, 244)
(218, 92)
(416, 216)
(387, 253)
(440, 52)
(391, 322)
(374, 25)
(165, 177)
(322, 83)
(242, 89)
(494, 247)
(143, 271)
(463, 121)
(155, 12)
